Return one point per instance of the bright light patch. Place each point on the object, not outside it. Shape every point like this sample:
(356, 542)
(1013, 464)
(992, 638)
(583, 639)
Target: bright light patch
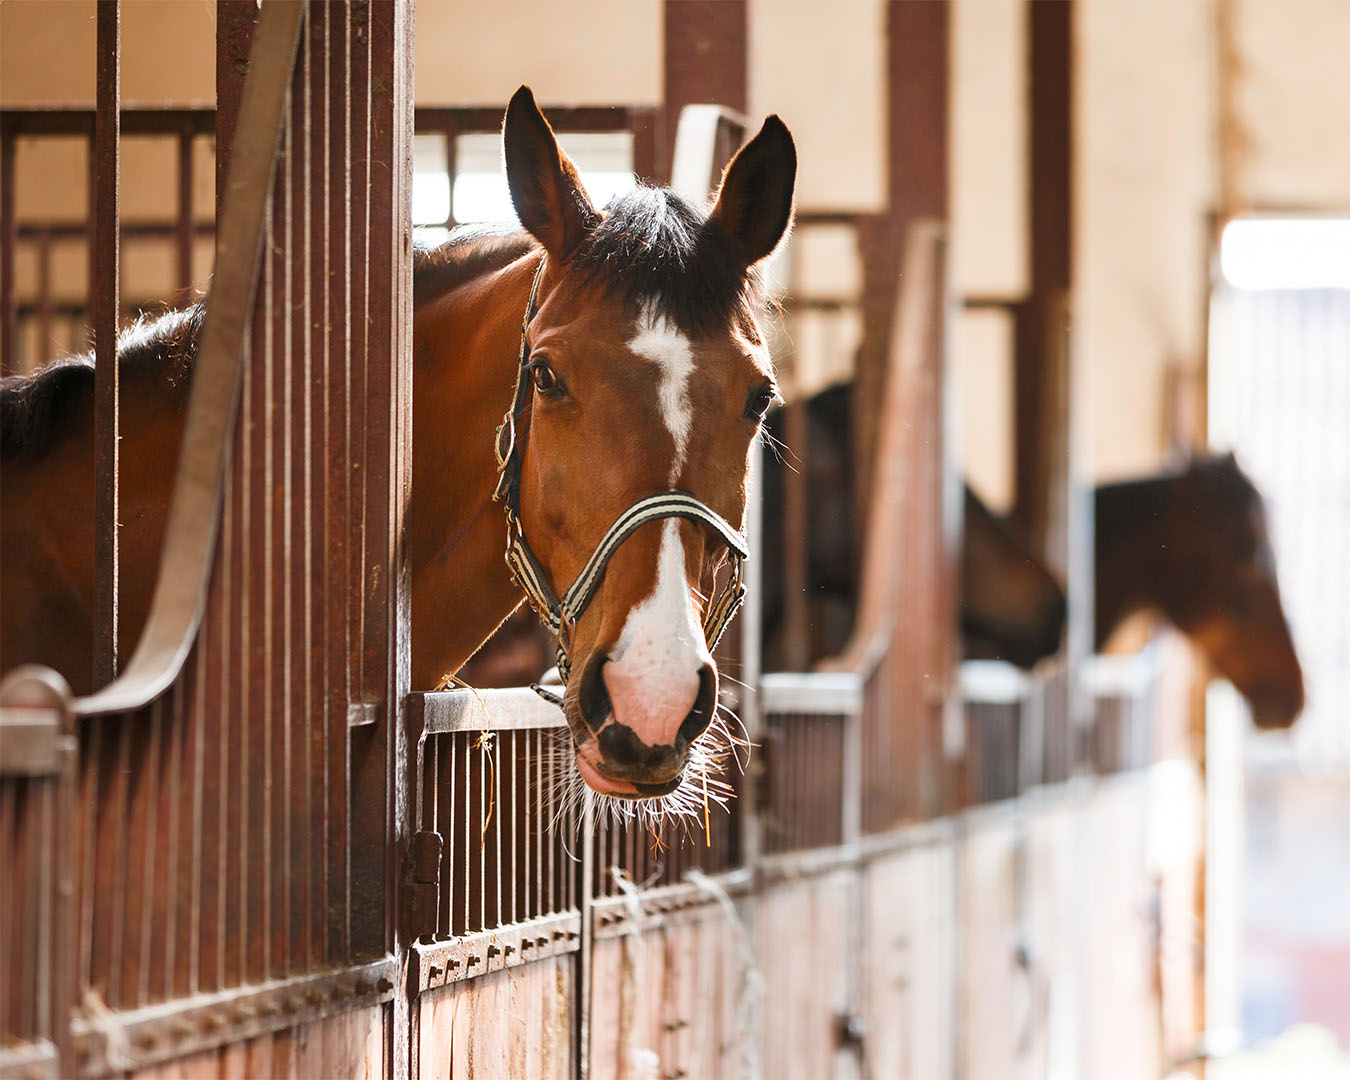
(430, 186)
(483, 197)
(1287, 253)
(480, 195)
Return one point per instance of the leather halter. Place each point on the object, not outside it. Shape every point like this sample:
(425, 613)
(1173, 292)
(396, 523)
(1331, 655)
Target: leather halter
(560, 616)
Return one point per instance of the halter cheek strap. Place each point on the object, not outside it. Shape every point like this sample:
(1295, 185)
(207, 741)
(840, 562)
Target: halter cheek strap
(559, 616)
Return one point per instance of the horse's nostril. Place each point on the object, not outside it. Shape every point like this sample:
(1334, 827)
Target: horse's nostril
(705, 705)
(593, 694)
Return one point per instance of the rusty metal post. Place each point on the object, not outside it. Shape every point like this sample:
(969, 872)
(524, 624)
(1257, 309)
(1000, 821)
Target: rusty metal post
(44, 297)
(185, 231)
(706, 47)
(796, 526)
(104, 294)
(9, 238)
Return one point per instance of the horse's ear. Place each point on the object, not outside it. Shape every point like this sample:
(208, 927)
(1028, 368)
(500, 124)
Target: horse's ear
(545, 187)
(754, 203)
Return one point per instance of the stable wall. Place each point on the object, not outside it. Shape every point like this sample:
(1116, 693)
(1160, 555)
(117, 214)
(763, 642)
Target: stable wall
(1185, 108)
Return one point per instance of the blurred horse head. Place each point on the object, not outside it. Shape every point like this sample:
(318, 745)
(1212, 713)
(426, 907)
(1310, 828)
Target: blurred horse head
(1194, 545)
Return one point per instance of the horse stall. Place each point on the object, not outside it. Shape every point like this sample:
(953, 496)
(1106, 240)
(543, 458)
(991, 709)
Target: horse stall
(251, 846)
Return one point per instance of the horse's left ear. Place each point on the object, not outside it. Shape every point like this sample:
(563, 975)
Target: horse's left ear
(754, 203)
(545, 187)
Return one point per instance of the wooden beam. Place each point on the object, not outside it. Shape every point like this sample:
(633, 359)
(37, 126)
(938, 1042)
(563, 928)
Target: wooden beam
(705, 60)
(917, 50)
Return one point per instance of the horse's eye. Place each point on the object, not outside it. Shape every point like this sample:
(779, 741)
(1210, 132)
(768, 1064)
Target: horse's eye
(545, 380)
(761, 401)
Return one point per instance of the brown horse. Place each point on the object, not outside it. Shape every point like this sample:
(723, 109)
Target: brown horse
(642, 378)
(1193, 545)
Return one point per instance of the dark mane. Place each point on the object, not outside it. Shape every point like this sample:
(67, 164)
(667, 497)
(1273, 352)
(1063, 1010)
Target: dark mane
(29, 402)
(654, 248)
(438, 270)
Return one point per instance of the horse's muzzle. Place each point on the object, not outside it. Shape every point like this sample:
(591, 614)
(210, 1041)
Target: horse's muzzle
(614, 752)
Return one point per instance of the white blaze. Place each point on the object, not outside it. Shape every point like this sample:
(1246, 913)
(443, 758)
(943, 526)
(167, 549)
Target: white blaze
(652, 675)
(660, 342)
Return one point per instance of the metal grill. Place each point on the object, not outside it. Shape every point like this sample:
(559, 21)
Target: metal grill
(216, 843)
(37, 775)
(202, 865)
(648, 858)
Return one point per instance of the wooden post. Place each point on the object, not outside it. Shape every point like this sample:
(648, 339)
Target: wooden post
(917, 44)
(705, 53)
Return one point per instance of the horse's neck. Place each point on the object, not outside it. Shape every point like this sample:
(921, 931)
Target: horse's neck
(1131, 531)
(464, 368)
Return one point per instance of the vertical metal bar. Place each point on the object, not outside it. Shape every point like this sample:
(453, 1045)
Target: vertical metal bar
(297, 622)
(548, 800)
(360, 181)
(105, 296)
(337, 461)
(796, 526)
(235, 21)
(463, 862)
(279, 667)
(185, 230)
(256, 655)
(479, 838)
(451, 168)
(46, 346)
(11, 884)
(581, 1067)
(540, 821)
(443, 748)
(194, 955)
(9, 239)
(498, 857)
(154, 841)
(316, 501)
(169, 919)
(751, 650)
(516, 866)
(236, 715)
(270, 814)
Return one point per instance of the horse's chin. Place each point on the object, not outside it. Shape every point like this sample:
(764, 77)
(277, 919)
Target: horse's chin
(598, 782)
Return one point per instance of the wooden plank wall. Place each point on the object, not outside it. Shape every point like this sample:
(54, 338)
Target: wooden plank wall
(808, 987)
(909, 962)
(350, 1045)
(514, 1023)
(671, 1001)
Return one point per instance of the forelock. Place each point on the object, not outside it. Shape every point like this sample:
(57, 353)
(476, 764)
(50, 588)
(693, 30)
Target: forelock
(654, 252)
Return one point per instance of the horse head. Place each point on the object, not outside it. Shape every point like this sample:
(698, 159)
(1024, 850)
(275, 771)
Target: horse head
(1224, 593)
(648, 376)
(1012, 608)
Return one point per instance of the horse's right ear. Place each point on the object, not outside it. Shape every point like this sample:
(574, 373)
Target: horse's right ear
(754, 203)
(545, 187)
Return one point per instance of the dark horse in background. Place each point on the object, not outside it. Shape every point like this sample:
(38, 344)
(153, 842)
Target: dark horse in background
(1191, 545)
(1194, 546)
(1012, 607)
